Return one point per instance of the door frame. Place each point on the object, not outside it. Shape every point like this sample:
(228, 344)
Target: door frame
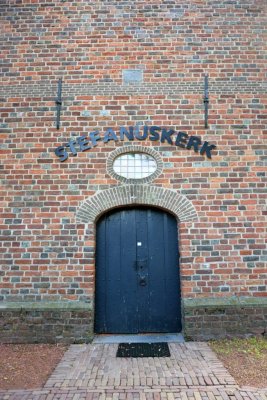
(92, 207)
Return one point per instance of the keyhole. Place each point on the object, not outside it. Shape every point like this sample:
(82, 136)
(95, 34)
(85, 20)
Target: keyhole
(142, 282)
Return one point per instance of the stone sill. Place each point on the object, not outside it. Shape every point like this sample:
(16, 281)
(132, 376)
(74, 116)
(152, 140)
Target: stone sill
(225, 302)
(46, 306)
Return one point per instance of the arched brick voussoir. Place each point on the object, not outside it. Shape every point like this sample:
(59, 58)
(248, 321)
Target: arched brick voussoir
(105, 200)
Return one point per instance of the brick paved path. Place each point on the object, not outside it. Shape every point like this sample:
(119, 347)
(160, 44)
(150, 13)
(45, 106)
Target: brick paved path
(193, 372)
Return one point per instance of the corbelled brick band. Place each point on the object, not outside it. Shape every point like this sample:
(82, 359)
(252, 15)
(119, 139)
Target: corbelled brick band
(126, 195)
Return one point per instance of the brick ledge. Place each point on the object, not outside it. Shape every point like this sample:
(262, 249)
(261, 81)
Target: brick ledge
(225, 302)
(46, 306)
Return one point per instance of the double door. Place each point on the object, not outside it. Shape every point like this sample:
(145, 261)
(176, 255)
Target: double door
(137, 272)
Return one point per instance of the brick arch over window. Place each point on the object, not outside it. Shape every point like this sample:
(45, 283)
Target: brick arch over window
(125, 195)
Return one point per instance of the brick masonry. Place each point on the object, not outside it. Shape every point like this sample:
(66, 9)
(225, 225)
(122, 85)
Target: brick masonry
(125, 64)
(166, 199)
(49, 322)
(224, 317)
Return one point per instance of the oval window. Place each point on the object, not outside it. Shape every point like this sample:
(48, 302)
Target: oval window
(134, 165)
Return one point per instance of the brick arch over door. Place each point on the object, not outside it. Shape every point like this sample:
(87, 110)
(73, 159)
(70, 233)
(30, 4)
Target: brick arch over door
(168, 199)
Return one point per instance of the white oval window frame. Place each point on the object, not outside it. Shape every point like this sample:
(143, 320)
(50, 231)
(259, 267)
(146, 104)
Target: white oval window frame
(134, 149)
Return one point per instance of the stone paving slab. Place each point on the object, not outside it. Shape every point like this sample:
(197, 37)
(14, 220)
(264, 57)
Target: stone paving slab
(92, 372)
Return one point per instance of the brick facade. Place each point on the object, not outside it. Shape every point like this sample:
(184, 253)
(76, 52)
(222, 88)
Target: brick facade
(132, 63)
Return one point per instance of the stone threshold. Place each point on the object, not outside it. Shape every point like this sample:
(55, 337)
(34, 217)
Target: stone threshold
(139, 338)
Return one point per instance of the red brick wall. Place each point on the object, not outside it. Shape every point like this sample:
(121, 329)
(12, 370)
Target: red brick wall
(44, 253)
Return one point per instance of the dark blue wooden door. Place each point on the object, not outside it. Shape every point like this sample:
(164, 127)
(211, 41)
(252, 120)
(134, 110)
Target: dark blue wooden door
(137, 272)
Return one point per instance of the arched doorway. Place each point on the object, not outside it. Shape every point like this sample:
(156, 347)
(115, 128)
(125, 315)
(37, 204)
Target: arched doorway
(137, 272)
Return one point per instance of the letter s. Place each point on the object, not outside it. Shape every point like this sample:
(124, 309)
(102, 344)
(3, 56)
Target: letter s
(61, 153)
(154, 133)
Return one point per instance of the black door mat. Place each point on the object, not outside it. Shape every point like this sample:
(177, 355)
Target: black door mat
(143, 350)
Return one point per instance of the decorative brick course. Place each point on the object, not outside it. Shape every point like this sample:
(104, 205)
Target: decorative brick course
(120, 196)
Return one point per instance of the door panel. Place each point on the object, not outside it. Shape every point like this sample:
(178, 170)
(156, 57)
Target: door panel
(137, 272)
